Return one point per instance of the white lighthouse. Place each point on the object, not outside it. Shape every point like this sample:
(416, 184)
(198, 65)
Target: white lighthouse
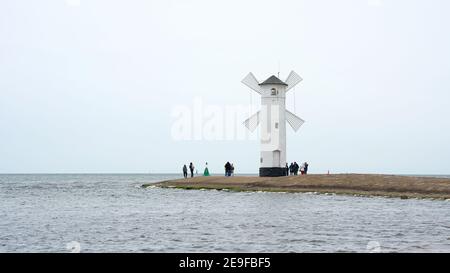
(272, 117)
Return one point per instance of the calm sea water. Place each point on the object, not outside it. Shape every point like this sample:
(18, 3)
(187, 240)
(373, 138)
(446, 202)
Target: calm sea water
(111, 213)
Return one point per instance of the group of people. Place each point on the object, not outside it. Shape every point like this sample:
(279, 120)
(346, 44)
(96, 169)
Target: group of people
(185, 170)
(294, 168)
(229, 169)
(192, 168)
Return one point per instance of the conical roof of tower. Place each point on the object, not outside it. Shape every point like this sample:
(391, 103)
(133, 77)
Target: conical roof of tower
(273, 80)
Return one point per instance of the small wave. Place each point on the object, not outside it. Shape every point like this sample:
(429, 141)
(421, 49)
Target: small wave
(307, 193)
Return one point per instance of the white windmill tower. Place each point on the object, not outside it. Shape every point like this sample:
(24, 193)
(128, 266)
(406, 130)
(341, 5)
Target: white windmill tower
(272, 117)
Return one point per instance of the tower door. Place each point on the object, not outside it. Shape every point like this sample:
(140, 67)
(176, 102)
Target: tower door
(276, 158)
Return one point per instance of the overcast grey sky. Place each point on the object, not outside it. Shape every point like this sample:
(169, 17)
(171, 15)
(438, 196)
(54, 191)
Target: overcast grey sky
(90, 85)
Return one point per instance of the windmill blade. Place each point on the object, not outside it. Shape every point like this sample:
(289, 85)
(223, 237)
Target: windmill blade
(294, 121)
(292, 80)
(252, 122)
(252, 82)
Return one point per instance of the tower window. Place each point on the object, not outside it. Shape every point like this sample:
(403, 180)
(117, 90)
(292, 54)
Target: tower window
(276, 125)
(274, 92)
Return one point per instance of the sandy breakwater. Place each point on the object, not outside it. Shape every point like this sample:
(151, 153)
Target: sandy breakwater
(352, 184)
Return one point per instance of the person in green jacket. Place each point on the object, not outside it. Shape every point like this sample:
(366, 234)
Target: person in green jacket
(206, 172)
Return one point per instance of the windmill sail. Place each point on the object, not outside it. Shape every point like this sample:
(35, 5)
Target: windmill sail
(252, 122)
(292, 80)
(252, 82)
(294, 121)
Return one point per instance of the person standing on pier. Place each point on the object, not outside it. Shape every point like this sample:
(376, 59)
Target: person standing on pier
(296, 167)
(185, 171)
(191, 168)
(228, 169)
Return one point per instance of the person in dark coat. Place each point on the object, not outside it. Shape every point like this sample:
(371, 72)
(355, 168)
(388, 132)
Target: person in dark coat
(185, 171)
(228, 169)
(306, 168)
(291, 169)
(191, 168)
(296, 167)
(287, 169)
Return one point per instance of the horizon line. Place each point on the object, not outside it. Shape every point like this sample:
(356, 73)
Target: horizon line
(200, 174)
